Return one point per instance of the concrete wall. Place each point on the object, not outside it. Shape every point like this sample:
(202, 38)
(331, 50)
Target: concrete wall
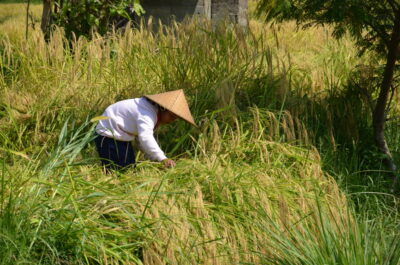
(165, 10)
(226, 9)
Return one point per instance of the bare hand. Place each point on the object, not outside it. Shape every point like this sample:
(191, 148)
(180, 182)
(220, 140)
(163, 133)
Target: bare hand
(169, 163)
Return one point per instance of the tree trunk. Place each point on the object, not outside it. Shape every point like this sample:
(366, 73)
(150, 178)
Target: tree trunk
(379, 115)
(46, 15)
(27, 19)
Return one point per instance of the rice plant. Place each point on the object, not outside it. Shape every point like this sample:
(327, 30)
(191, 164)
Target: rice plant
(253, 185)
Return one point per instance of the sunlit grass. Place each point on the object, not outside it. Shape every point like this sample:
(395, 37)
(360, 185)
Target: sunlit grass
(248, 187)
(243, 199)
(13, 20)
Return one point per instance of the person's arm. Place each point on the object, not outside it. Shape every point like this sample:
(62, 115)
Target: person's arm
(147, 142)
(169, 162)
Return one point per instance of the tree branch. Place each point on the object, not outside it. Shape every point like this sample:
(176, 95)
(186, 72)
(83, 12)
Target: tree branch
(390, 99)
(393, 5)
(381, 33)
(368, 96)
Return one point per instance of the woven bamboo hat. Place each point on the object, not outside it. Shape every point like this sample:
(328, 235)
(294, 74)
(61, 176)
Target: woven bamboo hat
(174, 101)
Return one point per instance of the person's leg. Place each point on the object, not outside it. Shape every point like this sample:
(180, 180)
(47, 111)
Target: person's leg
(115, 154)
(103, 150)
(125, 155)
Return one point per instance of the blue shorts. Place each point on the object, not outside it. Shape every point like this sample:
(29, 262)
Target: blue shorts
(114, 154)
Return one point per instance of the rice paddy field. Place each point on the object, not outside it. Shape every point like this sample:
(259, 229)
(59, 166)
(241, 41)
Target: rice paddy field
(281, 169)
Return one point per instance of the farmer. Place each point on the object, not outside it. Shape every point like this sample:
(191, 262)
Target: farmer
(136, 119)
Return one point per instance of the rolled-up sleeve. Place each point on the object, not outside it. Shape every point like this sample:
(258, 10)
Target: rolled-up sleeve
(146, 139)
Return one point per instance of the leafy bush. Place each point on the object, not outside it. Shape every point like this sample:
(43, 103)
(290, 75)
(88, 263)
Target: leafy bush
(85, 17)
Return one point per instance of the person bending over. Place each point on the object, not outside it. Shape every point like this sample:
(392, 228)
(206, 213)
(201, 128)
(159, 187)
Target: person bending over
(136, 119)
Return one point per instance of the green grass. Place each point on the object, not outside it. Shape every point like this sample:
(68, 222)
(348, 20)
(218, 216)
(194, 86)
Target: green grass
(216, 208)
(20, 1)
(279, 114)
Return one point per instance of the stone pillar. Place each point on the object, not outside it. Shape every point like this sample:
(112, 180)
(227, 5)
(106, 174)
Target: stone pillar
(206, 11)
(242, 13)
(233, 10)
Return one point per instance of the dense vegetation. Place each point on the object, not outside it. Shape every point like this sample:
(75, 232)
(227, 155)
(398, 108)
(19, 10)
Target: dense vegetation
(373, 27)
(280, 171)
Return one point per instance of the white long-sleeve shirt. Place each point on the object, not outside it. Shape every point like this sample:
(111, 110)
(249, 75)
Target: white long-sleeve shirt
(130, 119)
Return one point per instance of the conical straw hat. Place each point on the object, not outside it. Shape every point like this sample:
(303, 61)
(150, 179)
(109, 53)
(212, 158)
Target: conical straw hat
(174, 101)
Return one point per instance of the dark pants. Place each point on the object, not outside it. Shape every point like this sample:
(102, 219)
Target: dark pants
(115, 154)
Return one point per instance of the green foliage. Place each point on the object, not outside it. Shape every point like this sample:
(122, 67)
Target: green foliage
(21, 1)
(248, 187)
(375, 27)
(220, 206)
(224, 72)
(85, 17)
(369, 22)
